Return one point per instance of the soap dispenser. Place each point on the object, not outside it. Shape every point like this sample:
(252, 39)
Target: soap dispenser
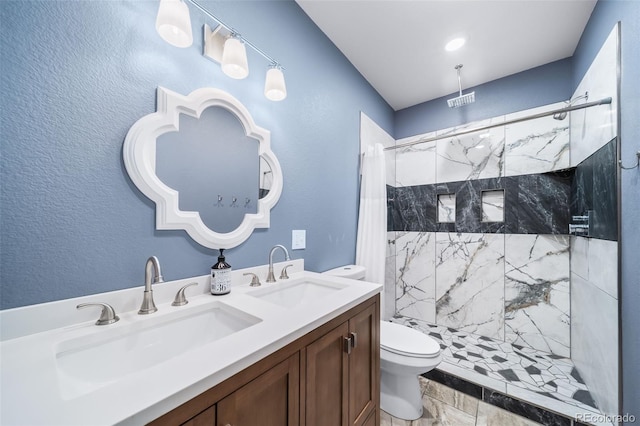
(220, 276)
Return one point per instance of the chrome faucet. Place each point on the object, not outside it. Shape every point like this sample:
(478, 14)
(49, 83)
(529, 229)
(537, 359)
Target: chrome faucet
(151, 268)
(270, 277)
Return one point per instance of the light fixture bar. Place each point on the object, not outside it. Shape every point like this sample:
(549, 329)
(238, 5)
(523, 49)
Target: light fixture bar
(233, 31)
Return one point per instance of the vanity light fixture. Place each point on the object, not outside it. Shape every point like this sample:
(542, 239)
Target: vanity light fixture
(222, 44)
(173, 23)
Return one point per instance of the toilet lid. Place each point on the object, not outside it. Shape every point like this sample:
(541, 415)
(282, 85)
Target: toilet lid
(402, 340)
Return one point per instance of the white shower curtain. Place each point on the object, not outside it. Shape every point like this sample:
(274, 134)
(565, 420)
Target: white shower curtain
(372, 218)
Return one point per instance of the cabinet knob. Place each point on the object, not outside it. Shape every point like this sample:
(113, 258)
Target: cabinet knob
(354, 339)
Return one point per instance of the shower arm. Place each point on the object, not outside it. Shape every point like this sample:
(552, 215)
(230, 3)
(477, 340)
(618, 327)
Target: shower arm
(604, 101)
(458, 67)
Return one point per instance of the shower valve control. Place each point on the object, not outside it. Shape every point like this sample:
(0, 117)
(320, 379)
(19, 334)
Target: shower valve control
(581, 225)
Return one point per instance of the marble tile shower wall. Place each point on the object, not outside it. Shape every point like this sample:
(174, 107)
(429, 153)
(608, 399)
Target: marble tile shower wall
(594, 261)
(477, 231)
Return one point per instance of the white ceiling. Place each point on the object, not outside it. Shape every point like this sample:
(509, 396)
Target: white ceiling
(398, 45)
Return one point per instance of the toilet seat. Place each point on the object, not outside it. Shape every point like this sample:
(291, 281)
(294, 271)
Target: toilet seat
(402, 340)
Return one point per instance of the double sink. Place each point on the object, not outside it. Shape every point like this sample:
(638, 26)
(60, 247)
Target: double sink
(97, 359)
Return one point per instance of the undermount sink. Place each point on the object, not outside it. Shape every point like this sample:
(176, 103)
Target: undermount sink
(90, 362)
(291, 294)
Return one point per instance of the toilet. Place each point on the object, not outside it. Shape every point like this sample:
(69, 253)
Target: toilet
(405, 353)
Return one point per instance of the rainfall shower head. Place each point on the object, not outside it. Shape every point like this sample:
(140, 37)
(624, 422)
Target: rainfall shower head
(461, 100)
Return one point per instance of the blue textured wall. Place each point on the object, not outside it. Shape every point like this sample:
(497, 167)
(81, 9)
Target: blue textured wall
(528, 89)
(603, 18)
(75, 75)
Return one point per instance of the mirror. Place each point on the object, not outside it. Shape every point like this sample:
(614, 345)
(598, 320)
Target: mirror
(208, 167)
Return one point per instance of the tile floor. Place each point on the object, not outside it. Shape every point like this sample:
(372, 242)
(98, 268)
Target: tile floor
(444, 406)
(536, 377)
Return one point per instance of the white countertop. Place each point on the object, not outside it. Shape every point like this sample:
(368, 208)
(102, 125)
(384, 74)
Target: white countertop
(32, 390)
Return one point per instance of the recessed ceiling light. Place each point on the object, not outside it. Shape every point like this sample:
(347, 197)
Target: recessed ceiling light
(454, 44)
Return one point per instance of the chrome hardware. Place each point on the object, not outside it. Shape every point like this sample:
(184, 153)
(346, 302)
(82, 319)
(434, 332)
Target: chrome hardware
(151, 268)
(348, 345)
(580, 218)
(255, 281)
(107, 316)
(582, 228)
(354, 339)
(283, 274)
(270, 277)
(578, 229)
(180, 297)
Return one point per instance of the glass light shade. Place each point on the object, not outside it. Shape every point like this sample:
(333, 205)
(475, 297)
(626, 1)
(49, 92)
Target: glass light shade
(173, 23)
(234, 59)
(274, 87)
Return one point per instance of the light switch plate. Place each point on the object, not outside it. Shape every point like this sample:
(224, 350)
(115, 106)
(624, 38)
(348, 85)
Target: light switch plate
(298, 239)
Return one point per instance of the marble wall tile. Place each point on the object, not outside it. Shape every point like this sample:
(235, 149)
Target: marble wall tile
(593, 127)
(469, 206)
(603, 265)
(582, 189)
(415, 275)
(594, 341)
(470, 283)
(413, 208)
(542, 205)
(580, 257)
(393, 213)
(518, 406)
(536, 146)
(473, 156)
(491, 415)
(537, 292)
(416, 165)
(605, 225)
(594, 189)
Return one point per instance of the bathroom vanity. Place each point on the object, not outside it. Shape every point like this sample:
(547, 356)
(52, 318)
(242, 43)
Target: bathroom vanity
(301, 351)
(330, 376)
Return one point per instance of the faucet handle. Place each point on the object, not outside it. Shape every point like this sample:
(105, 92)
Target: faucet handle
(180, 297)
(255, 281)
(283, 274)
(107, 316)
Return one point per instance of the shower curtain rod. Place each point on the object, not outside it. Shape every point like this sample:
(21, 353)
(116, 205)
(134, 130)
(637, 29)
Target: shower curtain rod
(603, 101)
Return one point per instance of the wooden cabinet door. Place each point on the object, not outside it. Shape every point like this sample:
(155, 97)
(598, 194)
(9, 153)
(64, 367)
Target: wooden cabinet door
(326, 382)
(271, 399)
(363, 365)
(206, 418)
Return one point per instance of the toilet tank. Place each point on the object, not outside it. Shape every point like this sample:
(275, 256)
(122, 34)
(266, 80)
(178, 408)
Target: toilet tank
(355, 272)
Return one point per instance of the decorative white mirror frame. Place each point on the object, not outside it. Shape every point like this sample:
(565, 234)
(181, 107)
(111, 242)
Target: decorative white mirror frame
(139, 155)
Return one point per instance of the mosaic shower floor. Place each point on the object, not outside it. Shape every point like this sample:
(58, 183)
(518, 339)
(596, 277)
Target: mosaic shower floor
(541, 379)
